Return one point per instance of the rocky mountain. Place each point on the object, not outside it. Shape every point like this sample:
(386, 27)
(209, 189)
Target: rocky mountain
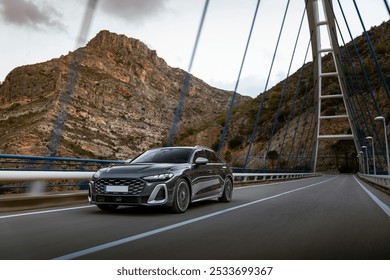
(295, 125)
(122, 101)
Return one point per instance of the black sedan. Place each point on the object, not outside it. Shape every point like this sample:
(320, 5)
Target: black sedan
(170, 176)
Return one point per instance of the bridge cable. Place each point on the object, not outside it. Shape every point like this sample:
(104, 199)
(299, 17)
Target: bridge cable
(225, 128)
(351, 89)
(284, 92)
(360, 61)
(349, 85)
(356, 118)
(265, 90)
(366, 80)
(360, 135)
(311, 145)
(387, 6)
(378, 68)
(186, 79)
(306, 118)
(296, 88)
(311, 75)
(354, 73)
(293, 107)
(65, 98)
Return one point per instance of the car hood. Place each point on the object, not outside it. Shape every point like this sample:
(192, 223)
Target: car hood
(138, 169)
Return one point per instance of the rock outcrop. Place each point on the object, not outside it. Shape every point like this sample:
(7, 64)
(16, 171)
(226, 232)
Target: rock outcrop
(122, 99)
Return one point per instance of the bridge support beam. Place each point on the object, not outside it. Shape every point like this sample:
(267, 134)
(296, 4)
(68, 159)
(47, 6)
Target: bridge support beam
(324, 42)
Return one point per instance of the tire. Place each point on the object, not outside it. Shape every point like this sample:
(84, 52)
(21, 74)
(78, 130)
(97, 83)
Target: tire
(107, 207)
(227, 191)
(181, 197)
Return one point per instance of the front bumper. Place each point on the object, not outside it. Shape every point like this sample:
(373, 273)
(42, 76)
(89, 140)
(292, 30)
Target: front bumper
(139, 193)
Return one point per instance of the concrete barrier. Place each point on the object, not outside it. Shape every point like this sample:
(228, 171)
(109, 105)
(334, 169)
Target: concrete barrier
(380, 180)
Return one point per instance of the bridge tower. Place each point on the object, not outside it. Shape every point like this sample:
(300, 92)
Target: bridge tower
(324, 41)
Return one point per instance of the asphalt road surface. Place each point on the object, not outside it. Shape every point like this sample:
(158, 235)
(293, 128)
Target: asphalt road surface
(326, 217)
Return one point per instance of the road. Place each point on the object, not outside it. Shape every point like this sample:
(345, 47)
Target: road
(326, 217)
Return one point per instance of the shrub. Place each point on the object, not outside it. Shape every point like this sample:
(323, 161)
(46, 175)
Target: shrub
(235, 142)
(220, 119)
(380, 49)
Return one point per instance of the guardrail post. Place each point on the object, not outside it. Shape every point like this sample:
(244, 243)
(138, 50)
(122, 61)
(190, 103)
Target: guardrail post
(37, 188)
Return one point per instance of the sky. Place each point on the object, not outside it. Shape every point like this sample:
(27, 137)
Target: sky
(35, 31)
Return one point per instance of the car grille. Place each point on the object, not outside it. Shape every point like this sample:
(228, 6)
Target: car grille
(135, 186)
(117, 199)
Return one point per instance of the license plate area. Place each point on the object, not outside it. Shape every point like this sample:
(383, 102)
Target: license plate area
(116, 188)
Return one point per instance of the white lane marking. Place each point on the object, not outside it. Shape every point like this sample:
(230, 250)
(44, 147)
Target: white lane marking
(383, 206)
(88, 206)
(44, 212)
(174, 226)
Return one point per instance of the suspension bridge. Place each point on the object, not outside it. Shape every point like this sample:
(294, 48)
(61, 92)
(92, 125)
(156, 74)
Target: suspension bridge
(318, 217)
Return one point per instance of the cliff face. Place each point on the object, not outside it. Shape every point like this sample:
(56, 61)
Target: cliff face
(295, 137)
(123, 102)
(125, 97)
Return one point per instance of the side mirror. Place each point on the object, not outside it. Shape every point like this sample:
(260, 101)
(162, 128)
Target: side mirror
(128, 161)
(201, 161)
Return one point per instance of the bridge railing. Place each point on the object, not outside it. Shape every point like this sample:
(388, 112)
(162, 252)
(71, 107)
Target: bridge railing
(258, 177)
(84, 176)
(73, 172)
(18, 162)
(380, 180)
(19, 173)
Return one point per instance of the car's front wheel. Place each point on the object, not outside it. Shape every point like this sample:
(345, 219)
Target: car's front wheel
(181, 197)
(227, 191)
(107, 207)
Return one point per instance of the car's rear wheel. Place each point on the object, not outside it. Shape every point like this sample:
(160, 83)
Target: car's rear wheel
(107, 207)
(227, 191)
(181, 197)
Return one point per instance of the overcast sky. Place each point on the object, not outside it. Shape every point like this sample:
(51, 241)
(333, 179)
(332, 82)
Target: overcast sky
(34, 31)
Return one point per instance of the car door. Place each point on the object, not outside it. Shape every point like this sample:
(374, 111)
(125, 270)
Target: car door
(202, 177)
(215, 169)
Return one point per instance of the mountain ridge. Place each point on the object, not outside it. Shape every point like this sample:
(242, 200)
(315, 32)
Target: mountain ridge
(123, 101)
(125, 98)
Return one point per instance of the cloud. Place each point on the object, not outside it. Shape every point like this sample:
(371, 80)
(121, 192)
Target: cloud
(133, 10)
(24, 13)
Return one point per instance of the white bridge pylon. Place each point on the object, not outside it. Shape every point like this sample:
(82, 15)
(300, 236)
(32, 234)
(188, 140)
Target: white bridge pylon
(322, 29)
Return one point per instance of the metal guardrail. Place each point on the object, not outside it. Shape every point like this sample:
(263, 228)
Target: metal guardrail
(31, 169)
(258, 177)
(18, 162)
(37, 194)
(15, 175)
(380, 180)
(21, 168)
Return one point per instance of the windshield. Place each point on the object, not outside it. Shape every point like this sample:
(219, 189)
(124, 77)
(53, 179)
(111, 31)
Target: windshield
(168, 155)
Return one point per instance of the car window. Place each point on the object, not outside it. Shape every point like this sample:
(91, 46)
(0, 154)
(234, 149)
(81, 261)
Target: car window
(164, 156)
(212, 157)
(198, 154)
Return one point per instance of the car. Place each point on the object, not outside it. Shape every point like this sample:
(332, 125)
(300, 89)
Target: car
(169, 176)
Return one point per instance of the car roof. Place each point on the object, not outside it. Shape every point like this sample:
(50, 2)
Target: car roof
(197, 147)
(182, 147)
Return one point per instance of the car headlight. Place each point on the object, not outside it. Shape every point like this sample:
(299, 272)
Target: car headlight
(158, 177)
(96, 175)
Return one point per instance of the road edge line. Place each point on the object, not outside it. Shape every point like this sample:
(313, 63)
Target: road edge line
(382, 205)
(177, 225)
